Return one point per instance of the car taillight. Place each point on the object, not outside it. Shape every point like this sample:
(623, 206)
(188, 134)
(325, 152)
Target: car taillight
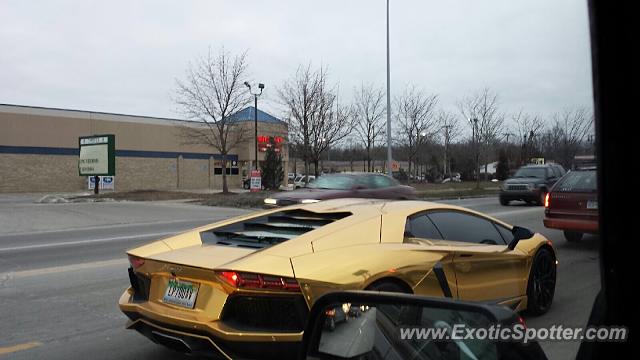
(135, 261)
(330, 312)
(546, 200)
(243, 280)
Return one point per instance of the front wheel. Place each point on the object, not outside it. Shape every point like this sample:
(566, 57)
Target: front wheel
(542, 282)
(504, 202)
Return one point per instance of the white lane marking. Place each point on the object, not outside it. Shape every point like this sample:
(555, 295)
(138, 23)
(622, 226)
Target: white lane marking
(115, 226)
(83, 242)
(65, 268)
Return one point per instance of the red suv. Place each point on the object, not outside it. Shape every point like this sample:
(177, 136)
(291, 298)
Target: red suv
(572, 204)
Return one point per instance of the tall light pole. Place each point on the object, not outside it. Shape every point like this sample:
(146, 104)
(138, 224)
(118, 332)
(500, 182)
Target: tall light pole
(474, 122)
(446, 147)
(389, 155)
(255, 118)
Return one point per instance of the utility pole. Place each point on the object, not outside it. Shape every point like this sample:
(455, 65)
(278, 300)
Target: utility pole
(506, 151)
(474, 122)
(389, 155)
(446, 148)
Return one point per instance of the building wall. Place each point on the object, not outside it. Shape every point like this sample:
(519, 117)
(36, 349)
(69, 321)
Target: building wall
(38, 151)
(39, 173)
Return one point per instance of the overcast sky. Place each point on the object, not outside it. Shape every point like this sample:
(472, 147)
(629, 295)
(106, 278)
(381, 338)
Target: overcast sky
(124, 56)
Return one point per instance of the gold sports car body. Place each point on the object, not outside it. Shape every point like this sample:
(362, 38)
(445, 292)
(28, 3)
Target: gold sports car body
(243, 287)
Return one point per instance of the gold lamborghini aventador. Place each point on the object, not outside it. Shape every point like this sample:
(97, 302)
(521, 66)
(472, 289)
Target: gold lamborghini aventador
(242, 287)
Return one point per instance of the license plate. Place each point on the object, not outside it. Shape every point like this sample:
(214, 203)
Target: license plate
(592, 204)
(181, 293)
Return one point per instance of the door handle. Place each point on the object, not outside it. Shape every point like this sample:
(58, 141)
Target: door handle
(466, 255)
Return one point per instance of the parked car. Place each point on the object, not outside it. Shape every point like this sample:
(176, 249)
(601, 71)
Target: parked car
(455, 177)
(300, 181)
(345, 185)
(531, 183)
(572, 205)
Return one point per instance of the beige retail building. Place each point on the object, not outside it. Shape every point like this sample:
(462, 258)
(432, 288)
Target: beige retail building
(39, 150)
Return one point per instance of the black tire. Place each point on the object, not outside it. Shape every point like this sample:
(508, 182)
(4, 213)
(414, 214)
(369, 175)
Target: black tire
(388, 286)
(573, 236)
(542, 282)
(504, 202)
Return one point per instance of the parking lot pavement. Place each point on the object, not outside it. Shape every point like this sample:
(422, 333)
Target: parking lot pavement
(62, 269)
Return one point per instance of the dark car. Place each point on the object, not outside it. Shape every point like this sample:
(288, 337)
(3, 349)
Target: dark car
(572, 205)
(345, 185)
(334, 316)
(530, 183)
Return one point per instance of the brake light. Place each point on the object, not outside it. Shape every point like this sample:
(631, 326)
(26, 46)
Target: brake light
(330, 312)
(242, 280)
(135, 261)
(546, 200)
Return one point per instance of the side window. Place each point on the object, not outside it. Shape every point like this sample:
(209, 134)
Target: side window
(382, 181)
(420, 226)
(365, 181)
(458, 226)
(556, 171)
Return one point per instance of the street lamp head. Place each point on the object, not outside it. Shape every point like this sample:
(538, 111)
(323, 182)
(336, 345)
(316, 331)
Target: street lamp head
(423, 134)
(261, 86)
(246, 83)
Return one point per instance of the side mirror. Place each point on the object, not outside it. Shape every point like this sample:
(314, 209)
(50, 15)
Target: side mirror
(375, 325)
(519, 233)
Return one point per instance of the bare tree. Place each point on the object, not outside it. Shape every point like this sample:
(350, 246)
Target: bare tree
(481, 110)
(368, 115)
(567, 135)
(330, 125)
(316, 121)
(211, 92)
(415, 115)
(529, 130)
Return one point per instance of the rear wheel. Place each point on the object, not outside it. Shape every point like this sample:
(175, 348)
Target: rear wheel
(542, 282)
(572, 236)
(504, 202)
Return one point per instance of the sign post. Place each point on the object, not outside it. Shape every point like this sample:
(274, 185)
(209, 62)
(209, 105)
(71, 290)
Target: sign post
(97, 157)
(256, 181)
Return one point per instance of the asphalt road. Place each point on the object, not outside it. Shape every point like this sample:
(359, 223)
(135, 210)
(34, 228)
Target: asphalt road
(62, 269)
